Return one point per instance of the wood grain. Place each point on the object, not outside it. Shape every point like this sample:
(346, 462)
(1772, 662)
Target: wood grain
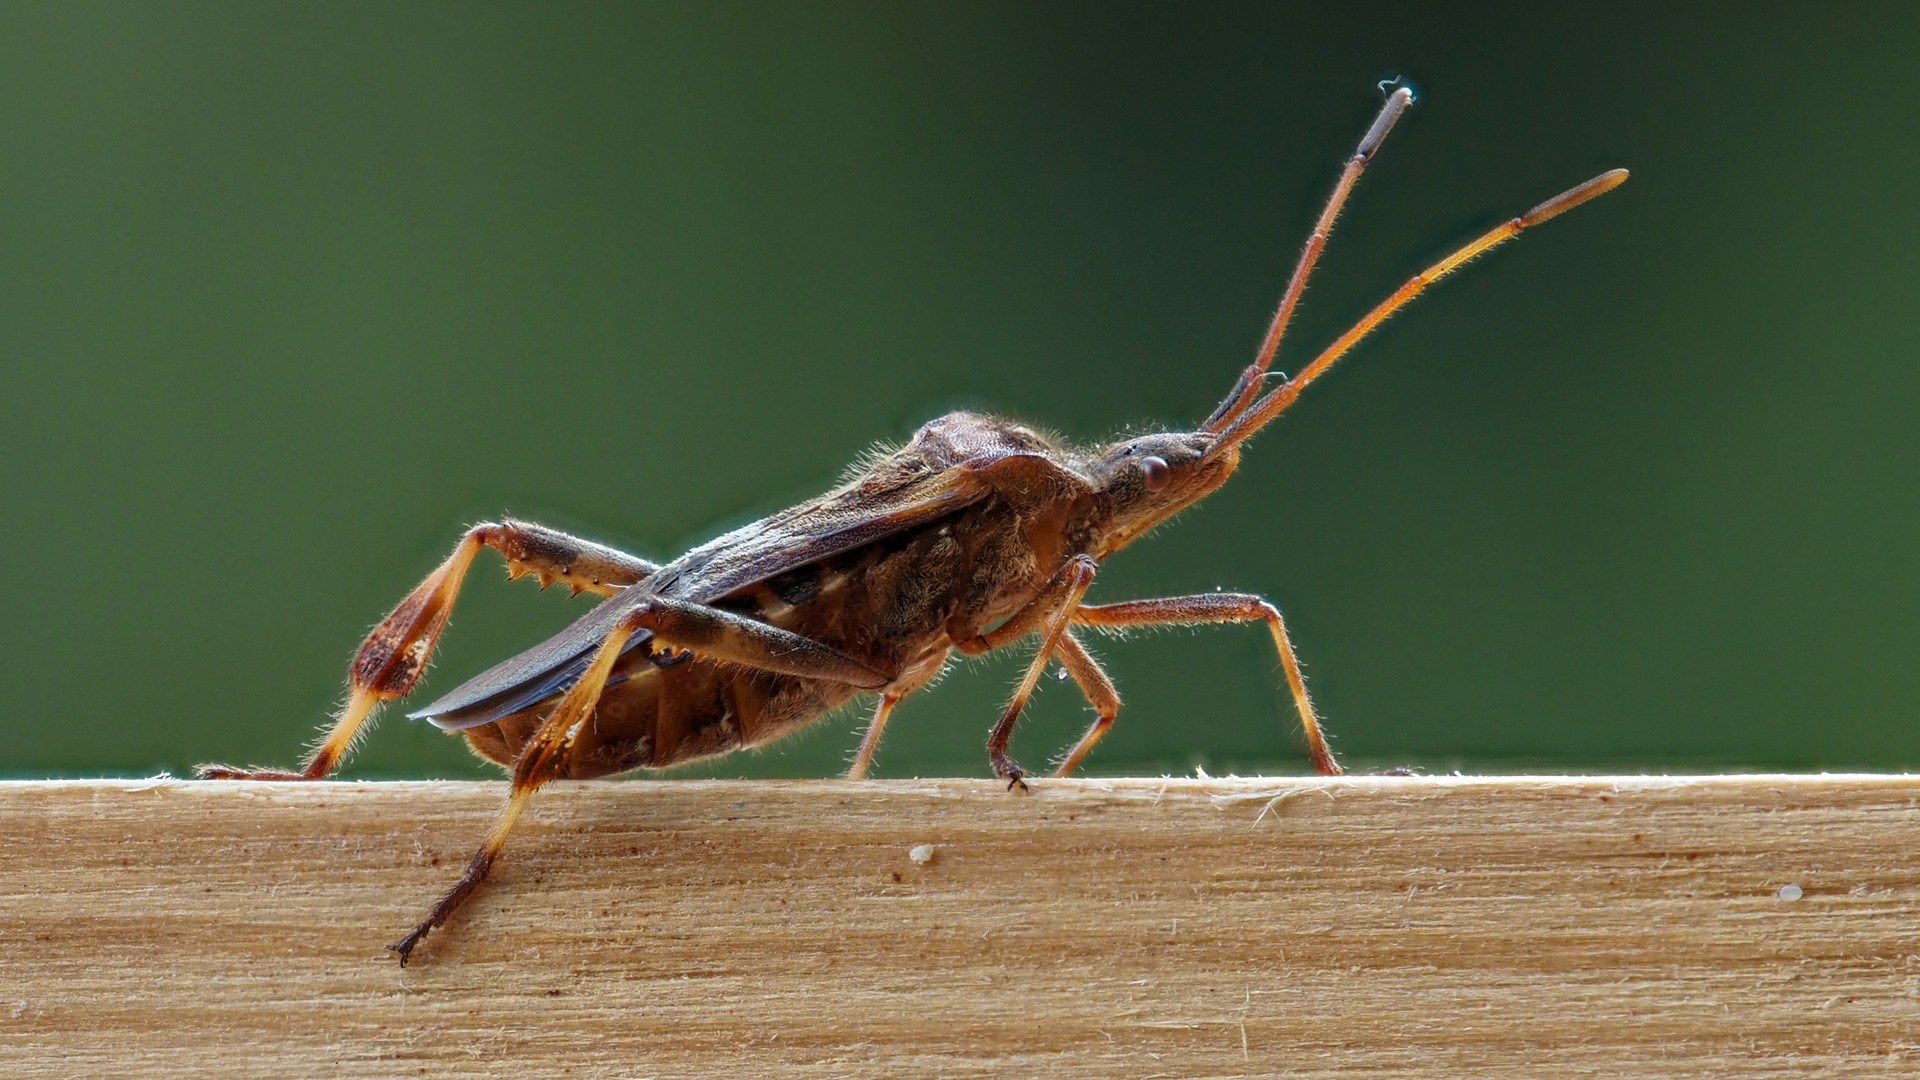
(1492, 927)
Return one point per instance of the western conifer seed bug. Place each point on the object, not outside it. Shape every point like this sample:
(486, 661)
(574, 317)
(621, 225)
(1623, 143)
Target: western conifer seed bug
(978, 533)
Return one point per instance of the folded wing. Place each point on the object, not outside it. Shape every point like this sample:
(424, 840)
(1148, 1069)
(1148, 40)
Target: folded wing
(848, 518)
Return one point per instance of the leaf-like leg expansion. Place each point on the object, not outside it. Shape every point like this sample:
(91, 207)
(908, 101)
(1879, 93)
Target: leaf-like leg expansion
(553, 556)
(1094, 683)
(864, 758)
(395, 654)
(1048, 613)
(1220, 608)
(675, 624)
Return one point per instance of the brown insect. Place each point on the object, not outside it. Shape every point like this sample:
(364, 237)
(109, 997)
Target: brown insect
(978, 533)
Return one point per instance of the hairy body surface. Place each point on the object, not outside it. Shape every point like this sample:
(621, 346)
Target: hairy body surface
(977, 534)
(896, 605)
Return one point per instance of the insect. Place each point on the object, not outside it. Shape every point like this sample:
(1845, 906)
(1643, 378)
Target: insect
(977, 534)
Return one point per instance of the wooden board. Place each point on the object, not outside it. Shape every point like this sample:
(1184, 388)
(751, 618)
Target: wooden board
(1487, 927)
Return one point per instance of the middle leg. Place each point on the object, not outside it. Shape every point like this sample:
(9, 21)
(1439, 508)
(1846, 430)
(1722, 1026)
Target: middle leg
(1221, 608)
(877, 727)
(1094, 683)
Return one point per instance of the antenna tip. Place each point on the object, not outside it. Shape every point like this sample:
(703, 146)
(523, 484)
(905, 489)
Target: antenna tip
(1404, 93)
(1573, 197)
(1396, 104)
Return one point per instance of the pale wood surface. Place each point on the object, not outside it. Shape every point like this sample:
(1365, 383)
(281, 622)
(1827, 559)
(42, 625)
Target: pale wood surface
(1496, 927)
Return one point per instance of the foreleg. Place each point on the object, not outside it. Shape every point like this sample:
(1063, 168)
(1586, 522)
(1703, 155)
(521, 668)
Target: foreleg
(1048, 615)
(1094, 683)
(1221, 608)
(395, 655)
(877, 727)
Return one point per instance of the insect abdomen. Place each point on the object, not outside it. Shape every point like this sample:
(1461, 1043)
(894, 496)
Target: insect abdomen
(672, 716)
(887, 605)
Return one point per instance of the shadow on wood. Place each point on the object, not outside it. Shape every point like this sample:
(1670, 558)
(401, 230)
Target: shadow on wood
(1301, 927)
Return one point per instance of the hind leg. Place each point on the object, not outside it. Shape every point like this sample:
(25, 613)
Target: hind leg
(393, 657)
(674, 624)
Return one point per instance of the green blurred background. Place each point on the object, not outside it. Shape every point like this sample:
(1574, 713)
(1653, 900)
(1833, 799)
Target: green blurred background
(292, 293)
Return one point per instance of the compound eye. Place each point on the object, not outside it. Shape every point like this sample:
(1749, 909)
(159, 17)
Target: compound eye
(1156, 472)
